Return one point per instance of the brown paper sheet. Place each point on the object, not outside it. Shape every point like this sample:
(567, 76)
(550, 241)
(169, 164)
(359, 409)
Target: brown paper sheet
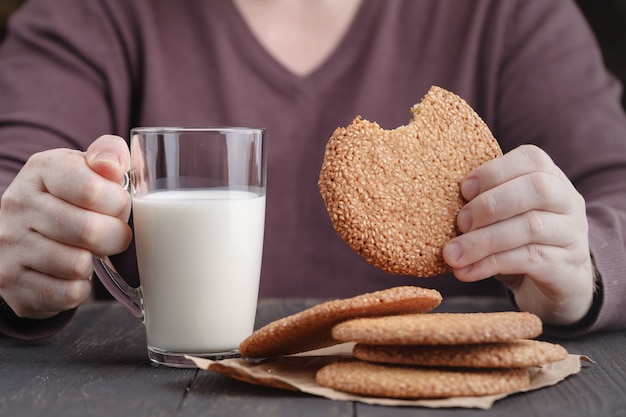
(297, 372)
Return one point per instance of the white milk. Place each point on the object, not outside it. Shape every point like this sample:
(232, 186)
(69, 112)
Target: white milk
(199, 257)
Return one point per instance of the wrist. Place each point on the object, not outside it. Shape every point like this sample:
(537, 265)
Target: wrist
(592, 313)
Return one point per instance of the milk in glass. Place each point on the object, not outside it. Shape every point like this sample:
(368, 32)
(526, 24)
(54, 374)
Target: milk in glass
(208, 240)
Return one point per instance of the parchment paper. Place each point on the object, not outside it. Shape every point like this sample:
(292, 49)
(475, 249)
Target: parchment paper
(297, 373)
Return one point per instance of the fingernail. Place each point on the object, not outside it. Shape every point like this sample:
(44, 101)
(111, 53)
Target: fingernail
(470, 188)
(107, 157)
(464, 220)
(453, 251)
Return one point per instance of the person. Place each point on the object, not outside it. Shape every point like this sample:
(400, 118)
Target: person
(545, 224)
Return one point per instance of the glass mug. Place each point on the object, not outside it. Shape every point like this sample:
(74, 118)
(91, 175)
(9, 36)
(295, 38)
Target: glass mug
(198, 201)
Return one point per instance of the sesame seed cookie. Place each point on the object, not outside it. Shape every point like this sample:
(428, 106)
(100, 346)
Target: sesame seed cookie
(311, 328)
(515, 354)
(365, 378)
(393, 195)
(440, 328)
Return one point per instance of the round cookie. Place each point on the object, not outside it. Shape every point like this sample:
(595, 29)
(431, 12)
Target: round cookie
(393, 195)
(365, 378)
(515, 354)
(310, 329)
(440, 328)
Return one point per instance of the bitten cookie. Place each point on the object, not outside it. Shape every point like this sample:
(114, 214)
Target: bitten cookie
(411, 382)
(393, 195)
(440, 328)
(515, 354)
(311, 328)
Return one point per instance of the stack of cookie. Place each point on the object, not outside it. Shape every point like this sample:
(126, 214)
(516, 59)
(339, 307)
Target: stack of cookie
(439, 355)
(402, 352)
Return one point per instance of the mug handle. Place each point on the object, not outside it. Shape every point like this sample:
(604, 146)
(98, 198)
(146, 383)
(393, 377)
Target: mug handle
(128, 296)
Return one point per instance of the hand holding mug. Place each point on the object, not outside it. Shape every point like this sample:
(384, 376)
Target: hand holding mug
(62, 206)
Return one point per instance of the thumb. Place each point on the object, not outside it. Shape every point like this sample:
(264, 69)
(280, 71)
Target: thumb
(109, 156)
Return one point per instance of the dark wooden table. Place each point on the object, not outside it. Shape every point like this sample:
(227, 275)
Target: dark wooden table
(98, 367)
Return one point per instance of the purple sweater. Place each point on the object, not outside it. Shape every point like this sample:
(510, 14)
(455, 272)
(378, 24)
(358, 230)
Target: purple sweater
(72, 70)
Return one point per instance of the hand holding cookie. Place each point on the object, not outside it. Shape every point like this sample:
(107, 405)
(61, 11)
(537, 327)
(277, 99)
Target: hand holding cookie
(437, 195)
(525, 222)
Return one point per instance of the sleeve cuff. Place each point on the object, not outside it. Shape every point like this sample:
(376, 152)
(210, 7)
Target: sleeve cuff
(30, 329)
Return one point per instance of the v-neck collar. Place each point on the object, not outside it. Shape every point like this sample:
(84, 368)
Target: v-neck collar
(282, 78)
